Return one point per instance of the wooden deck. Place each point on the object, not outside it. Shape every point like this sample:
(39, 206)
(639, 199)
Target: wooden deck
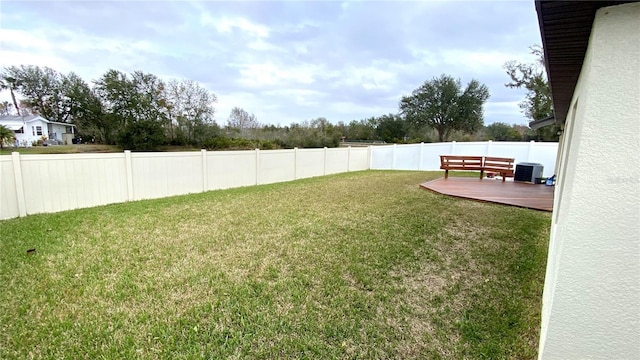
(532, 196)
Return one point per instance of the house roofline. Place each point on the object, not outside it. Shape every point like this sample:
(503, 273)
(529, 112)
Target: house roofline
(60, 123)
(565, 29)
(537, 124)
(34, 118)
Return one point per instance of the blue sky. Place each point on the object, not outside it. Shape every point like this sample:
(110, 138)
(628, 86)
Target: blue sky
(285, 61)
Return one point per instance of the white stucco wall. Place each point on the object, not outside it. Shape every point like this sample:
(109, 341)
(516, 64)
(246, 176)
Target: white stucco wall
(591, 302)
(31, 126)
(56, 131)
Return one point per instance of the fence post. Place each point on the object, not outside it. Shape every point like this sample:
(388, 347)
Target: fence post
(489, 143)
(257, 166)
(205, 173)
(324, 169)
(349, 158)
(421, 156)
(17, 174)
(532, 143)
(129, 171)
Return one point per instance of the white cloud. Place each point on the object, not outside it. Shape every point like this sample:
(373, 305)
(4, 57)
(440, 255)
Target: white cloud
(485, 61)
(268, 74)
(376, 76)
(284, 61)
(226, 25)
(508, 112)
(299, 97)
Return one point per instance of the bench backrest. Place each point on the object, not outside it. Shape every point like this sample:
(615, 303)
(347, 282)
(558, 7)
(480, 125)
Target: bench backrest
(498, 163)
(461, 161)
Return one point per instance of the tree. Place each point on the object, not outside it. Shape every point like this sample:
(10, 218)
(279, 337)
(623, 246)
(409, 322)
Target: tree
(391, 128)
(503, 132)
(537, 103)
(127, 100)
(118, 97)
(5, 108)
(364, 129)
(142, 135)
(5, 135)
(190, 112)
(442, 104)
(8, 82)
(41, 89)
(242, 121)
(83, 107)
(532, 76)
(55, 96)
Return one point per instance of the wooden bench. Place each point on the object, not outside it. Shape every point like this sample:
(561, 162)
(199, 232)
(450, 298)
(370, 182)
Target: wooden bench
(465, 163)
(502, 166)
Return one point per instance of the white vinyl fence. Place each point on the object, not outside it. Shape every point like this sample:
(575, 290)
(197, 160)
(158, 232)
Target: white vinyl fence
(427, 156)
(31, 184)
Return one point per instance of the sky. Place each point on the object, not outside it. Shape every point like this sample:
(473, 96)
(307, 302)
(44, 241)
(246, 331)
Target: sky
(284, 61)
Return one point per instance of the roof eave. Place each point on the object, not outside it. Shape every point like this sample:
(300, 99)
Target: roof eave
(537, 124)
(565, 29)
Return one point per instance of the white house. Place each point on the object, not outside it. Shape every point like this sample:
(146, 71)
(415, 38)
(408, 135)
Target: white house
(591, 300)
(30, 129)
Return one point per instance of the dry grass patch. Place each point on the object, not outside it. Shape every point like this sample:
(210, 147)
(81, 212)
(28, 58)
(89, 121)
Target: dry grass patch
(358, 265)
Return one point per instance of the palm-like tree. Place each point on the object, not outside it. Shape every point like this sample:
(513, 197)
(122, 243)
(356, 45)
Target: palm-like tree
(8, 82)
(5, 135)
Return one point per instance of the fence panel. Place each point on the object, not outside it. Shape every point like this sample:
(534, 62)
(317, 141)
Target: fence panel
(382, 157)
(8, 191)
(62, 182)
(469, 148)
(407, 157)
(431, 155)
(309, 163)
(157, 175)
(358, 158)
(336, 161)
(276, 166)
(229, 169)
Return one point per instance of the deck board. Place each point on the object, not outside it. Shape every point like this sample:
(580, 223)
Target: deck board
(532, 196)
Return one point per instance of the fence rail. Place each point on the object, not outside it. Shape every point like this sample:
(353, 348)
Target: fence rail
(31, 184)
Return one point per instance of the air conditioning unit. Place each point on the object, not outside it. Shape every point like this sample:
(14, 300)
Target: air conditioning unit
(528, 172)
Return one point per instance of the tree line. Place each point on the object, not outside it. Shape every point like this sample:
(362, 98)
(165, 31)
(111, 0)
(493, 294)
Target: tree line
(140, 111)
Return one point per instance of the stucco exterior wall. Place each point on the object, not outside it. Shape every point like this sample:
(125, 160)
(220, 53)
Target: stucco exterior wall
(591, 301)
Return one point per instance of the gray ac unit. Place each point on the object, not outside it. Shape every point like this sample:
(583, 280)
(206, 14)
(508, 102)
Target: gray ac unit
(528, 172)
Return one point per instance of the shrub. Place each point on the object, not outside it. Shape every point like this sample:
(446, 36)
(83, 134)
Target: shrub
(146, 135)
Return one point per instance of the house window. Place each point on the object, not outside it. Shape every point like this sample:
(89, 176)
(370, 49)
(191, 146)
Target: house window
(39, 130)
(19, 131)
(33, 130)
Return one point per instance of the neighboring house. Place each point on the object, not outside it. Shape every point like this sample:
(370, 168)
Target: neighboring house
(30, 129)
(591, 301)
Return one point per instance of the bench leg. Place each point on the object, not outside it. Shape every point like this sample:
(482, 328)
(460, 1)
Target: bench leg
(481, 174)
(446, 174)
(504, 177)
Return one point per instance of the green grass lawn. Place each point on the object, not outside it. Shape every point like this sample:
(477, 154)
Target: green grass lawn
(82, 148)
(357, 265)
(62, 149)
